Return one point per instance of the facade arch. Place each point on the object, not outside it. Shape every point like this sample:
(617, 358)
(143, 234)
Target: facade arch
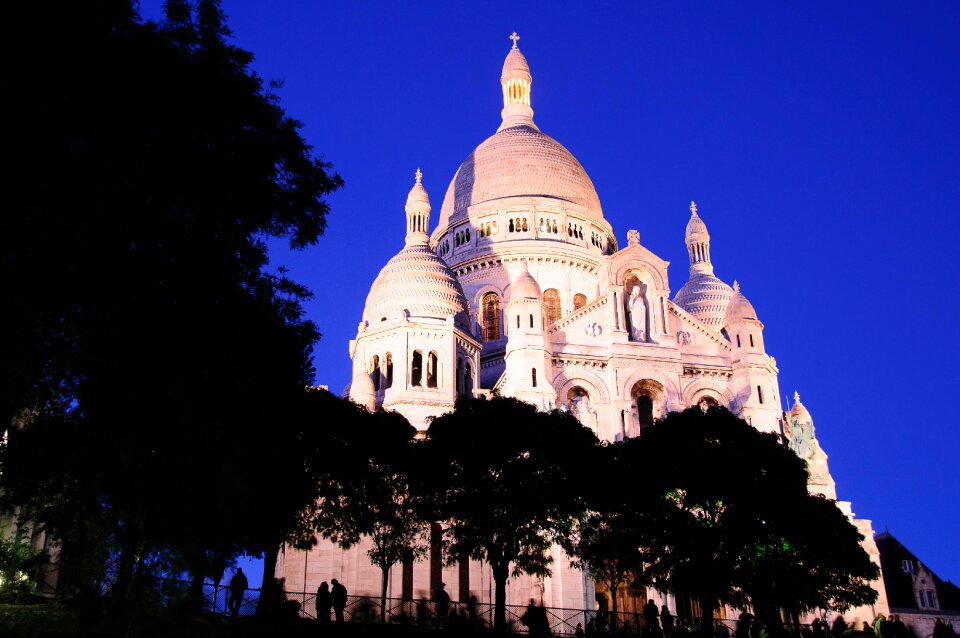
(589, 381)
(637, 266)
(701, 388)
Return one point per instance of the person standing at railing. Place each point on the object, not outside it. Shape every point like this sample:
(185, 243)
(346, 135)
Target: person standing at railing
(441, 604)
(338, 596)
(238, 585)
(324, 602)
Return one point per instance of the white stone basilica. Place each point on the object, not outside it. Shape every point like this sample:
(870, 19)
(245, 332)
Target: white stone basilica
(521, 288)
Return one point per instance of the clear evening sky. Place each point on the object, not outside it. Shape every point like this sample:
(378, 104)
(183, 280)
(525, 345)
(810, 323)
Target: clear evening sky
(819, 139)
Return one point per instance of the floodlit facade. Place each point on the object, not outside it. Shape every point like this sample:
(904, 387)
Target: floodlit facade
(521, 287)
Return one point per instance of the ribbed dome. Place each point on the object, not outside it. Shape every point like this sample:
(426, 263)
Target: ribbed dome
(519, 162)
(706, 298)
(419, 283)
(525, 286)
(515, 66)
(739, 307)
(799, 411)
(695, 226)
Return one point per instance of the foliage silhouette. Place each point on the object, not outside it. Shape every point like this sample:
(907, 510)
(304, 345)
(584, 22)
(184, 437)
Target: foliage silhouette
(371, 493)
(145, 338)
(508, 483)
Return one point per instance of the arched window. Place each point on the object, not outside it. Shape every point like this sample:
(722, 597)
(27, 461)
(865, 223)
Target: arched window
(375, 372)
(490, 317)
(388, 363)
(467, 379)
(459, 375)
(518, 322)
(645, 411)
(751, 340)
(531, 321)
(533, 376)
(432, 370)
(510, 226)
(738, 341)
(416, 368)
(760, 394)
(551, 305)
(707, 402)
(579, 301)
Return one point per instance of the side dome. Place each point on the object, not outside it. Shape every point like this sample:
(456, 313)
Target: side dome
(705, 297)
(519, 162)
(739, 307)
(525, 286)
(416, 283)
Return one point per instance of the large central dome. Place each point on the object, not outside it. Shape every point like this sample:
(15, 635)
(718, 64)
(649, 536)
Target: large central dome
(519, 162)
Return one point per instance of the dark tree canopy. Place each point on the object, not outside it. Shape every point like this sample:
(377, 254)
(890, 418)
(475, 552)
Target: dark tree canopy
(144, 337)
(728, 515)
(508, 483)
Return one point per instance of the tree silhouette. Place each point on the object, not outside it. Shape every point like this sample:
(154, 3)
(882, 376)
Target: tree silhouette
(153, 165)
(507, 482)
(731, 520)
(370, 493)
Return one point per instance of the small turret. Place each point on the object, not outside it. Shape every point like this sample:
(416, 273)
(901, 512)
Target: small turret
(740, 321)
(515, 80)
(526, 357)
(418, 213)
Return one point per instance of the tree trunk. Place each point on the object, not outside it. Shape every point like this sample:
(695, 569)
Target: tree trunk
(707, 606)
(385, 573)
(121, 586)
(500, 574)
(612, 586)
(268, 583)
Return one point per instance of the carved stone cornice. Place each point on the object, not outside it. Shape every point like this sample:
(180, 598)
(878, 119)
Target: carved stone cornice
(698, 372)
(579, 362)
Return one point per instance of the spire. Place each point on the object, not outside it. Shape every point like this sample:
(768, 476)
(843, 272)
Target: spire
(515, 80)
(698, 244)
(418, 212)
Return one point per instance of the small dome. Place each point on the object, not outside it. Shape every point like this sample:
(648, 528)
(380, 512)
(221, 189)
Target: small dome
(525, 286)
(739, 307)
(416, 283)
(515, 67)
(799, 411)
(518, 162)
(363, 392)
(696, 226)
(417, 199)
(705, 297)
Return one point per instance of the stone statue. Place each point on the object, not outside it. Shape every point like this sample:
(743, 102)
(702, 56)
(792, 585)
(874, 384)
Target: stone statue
(637, 309)
(580, 407)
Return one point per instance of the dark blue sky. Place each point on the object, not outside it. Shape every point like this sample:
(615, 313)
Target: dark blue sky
(819, 139)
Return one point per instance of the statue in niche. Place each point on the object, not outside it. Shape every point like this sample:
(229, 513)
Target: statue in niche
(637, 313)
(803, 441)
(579, 407)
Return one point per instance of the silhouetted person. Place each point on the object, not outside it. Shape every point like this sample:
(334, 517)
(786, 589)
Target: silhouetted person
(324, 602)
(744, 622)
(942, 629)
(535, 619)
(472, 609)
(898, 628)
(818, 628)
(651, 618)
(839, 626)
(441, 604)
(666, 620)
(238, 585)
(338, 597)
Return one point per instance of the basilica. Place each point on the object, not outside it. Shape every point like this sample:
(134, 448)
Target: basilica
(522, 288)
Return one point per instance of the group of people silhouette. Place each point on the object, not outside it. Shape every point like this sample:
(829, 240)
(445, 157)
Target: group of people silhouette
(331, 599)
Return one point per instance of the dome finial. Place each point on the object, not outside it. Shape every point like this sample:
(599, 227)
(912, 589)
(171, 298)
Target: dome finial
(698, 243)
(418, 212)
(693, 207)
(796, 397)
(515, 80)
(736, 286)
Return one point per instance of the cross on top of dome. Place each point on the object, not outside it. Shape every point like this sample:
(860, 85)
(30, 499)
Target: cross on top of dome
(418, 175)
(693, 207)
(515, 38)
